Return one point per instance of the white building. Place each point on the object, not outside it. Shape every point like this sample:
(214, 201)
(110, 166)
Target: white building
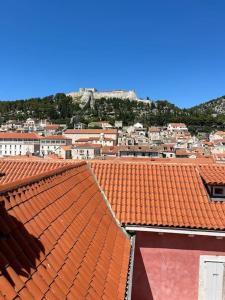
(76, 134)
(154, 134)
(12, 143)
(100, 124)
(52, 143)
(175, 128)
(100, 141)
(218, 135)
(64, 152)
(86, 151)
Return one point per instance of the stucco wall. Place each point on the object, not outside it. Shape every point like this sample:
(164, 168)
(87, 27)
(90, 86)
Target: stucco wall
(166, 267)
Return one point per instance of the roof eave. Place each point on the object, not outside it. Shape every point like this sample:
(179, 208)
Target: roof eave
(185, 231)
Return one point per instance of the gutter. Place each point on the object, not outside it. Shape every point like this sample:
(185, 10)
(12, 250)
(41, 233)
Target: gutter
(133, 228)
(130, 270)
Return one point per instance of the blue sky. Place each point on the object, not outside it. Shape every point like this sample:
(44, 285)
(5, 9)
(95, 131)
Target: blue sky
(164, 49)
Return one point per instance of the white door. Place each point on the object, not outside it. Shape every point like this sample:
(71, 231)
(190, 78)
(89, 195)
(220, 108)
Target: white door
(212, 278)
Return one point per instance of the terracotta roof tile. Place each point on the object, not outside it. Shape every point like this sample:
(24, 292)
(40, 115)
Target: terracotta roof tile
(213, 174)
(161, 194)
(59, 239)
(18, 135)
(18, 169)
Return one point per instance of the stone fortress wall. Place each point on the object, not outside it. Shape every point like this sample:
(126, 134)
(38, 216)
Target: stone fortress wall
(120, 94)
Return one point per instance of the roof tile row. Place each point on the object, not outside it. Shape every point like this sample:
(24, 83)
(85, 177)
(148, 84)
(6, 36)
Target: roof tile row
(59, 240)
(162, 195)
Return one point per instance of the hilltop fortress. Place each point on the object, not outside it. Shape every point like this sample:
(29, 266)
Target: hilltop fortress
(89, 95)
(120, 94)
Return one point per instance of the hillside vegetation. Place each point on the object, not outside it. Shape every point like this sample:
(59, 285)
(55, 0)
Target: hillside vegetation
(60, 108)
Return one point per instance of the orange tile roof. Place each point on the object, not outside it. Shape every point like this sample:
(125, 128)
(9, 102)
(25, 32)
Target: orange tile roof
(18, 135)
(159, 194)
(59, 239)
(154, 129)
(90, 131)
(65, 148)
(24, 168)
(110, 149)
(157, 160)
(52, 126)
(178, 124)
(213, 174)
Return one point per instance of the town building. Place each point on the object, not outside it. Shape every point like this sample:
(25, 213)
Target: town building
(215, 136)
(168, 150)
(14, 143)
(154, 134)
(52, 143)
(177, 128)
(86, 151)
(100, 124)
(101, 140)
(76, 134)
(138, 151)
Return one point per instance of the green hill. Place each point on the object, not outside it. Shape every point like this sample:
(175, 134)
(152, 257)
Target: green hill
(60, 108)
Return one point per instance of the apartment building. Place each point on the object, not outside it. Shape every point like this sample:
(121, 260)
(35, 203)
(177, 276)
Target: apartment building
(175, 128)
(76, 134)
(53, 143)
(86, 151)
(12, 143)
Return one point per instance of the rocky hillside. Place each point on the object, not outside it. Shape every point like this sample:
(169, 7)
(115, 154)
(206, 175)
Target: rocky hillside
(215, 106)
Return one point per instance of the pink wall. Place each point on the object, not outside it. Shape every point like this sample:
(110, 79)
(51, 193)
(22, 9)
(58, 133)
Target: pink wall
(166, 267)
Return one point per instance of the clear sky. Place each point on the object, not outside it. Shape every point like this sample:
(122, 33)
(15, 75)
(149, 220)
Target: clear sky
(164, 49)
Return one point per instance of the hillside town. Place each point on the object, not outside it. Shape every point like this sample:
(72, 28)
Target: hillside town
(112, 150)
(104, 141)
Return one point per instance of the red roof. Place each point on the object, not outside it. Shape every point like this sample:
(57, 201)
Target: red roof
(59, 239)
(110, 149)
(87, 145)
(161, 194)
(178, 124)
(52, 126)
(18, 135)
(90, 131)
(19, 169)
(213, 174)
(154, 129)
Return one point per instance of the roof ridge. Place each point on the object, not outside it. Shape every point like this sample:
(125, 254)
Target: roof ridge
(109, 207)
(30, 180)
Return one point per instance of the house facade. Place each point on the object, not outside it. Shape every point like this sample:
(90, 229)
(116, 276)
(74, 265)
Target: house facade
(86, 151)
(76, 134)
(12, 143)
(52, 143)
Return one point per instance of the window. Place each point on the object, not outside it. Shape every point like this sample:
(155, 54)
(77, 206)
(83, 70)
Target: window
(218, 191)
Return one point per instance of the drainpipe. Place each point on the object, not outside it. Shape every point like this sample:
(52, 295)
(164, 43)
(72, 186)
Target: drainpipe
(131, 268)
